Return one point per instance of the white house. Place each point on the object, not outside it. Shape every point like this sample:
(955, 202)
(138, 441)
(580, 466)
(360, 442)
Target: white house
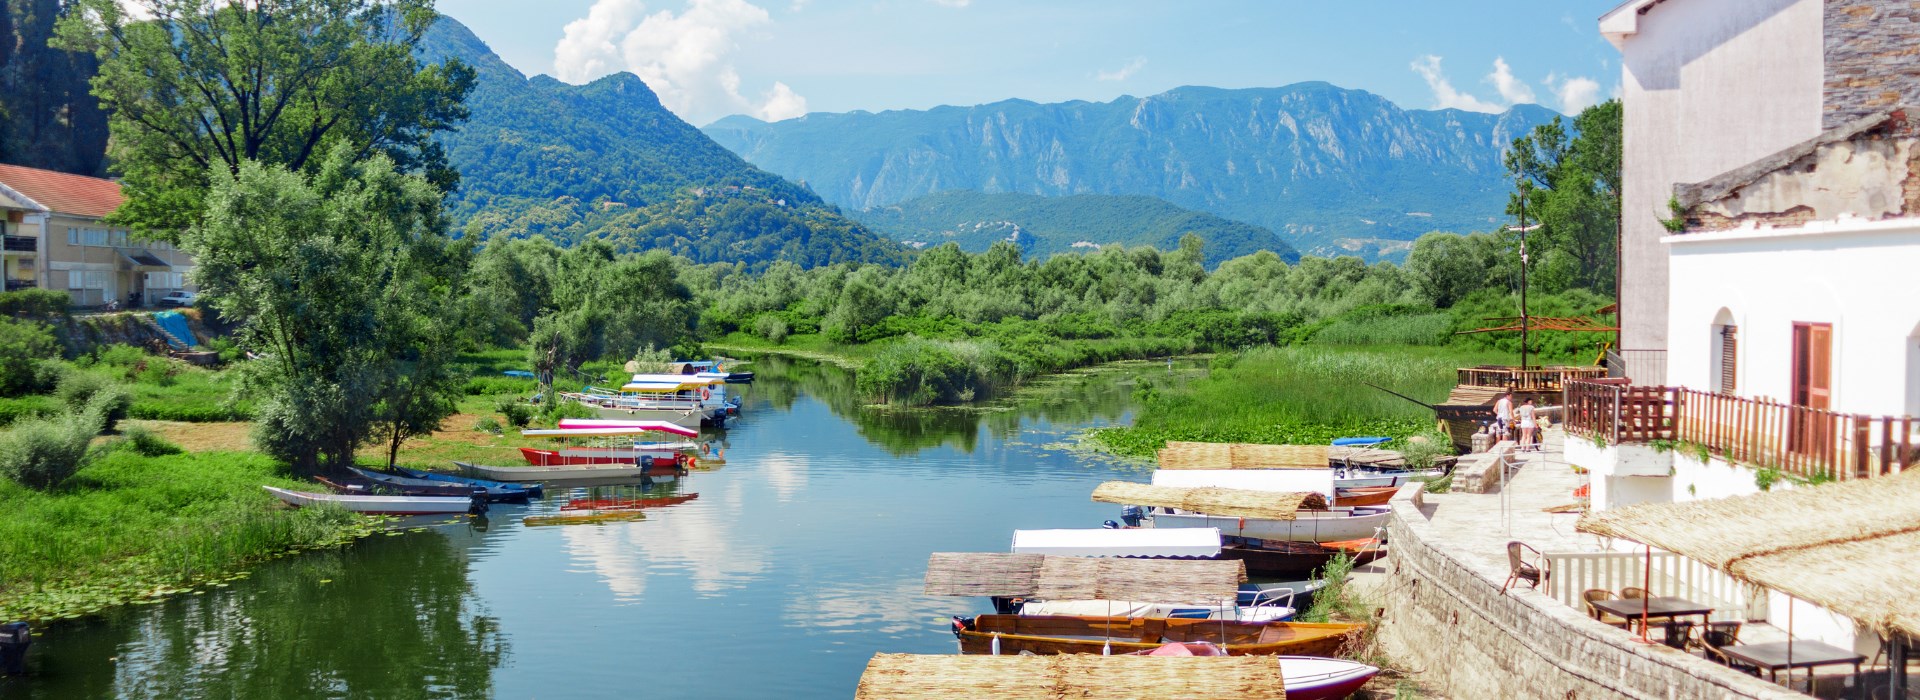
(1770, 270)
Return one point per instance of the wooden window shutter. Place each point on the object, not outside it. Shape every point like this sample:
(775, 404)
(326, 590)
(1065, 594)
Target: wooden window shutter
(1729, 353)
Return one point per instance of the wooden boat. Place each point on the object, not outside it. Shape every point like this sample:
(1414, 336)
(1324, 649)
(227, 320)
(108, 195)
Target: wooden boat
(571, 471)
(626, 503)
(357, 485)
(1364, 496)
(1311, 525)
(408, 485)
(383, 505)
(600, 455)
(535, 489)
(1321, 678)
(1287, 558)
(1074, 634)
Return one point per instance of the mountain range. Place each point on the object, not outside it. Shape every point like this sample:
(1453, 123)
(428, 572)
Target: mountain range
(1047, 226)
(605, 159)
(1332, 170)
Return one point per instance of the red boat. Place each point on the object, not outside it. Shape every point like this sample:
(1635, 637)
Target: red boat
(665, 462)
(626, 503)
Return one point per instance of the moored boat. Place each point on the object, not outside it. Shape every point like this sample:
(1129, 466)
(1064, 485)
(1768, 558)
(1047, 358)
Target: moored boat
(1080, 634)
(1321, 678)
(571, 471)
(663, 460)
(363, 486)
(1364, 496)
(535, 489)
(1309, 526)
(382, 505)
(411, 486)
(1288, 558)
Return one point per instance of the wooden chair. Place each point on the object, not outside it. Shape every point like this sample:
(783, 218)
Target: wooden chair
(1519, 569)
(1718, 635)
(1631, 592)
(1597, 594)
(1634, 593)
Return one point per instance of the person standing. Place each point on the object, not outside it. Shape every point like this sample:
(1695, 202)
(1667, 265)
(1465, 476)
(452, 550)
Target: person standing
(1503, 416)
(1527, 427)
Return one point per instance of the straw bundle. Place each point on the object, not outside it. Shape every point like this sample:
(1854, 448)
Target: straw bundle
(1346, 455)
(1023, 677)
(1237, 455)
(1232, 503)
(1846, 546)
(1083, 578)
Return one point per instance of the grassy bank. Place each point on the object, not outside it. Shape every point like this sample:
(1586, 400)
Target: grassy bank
(1296, 395)
(131, 527)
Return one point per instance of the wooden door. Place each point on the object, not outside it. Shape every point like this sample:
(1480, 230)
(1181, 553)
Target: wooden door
(1812, 430)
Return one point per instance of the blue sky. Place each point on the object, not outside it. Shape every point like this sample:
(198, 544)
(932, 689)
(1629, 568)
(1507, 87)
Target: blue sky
(777, 59)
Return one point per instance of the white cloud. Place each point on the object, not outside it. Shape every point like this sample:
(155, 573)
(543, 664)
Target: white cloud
(1124, 72)
(684, 57)
(1513, 90)
(1577, 94)
(1444, 95)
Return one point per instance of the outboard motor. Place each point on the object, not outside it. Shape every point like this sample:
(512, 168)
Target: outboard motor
(14, 640)
(1132, 515)
(477, 504)
(961, 624)
(1109, 525)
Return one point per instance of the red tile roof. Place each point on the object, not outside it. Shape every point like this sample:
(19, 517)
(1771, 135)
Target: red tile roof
(63, 193)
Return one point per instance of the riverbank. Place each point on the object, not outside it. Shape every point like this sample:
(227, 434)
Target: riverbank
(131, 528)
(1306, 394)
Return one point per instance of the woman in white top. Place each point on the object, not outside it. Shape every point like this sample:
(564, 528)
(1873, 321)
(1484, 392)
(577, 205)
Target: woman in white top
(1527, 426)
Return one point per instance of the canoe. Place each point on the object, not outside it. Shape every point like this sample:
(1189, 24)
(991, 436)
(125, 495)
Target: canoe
(566, 472)
(1283, 559)
(626, 503)
(662, 460)
(381, 505)
(358, 486)
(1074, 634)
(1312, 526)
(495, 494)
(1321, 678)
(534, 488)
(1364, 496)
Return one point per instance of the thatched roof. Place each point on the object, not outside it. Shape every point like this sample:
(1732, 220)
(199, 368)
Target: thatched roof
(1845, 546)
(1236, 455)
(1083, 578)
(1232, 503)
(1028, 677)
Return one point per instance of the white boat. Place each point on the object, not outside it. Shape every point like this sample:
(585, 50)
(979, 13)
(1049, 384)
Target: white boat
(1194, 543)
(1331, 525)
(1354, 478)
(378, 505)
(682, 413)
(1272, 607)
(624, 427)
(564, 472)
(1320, 481)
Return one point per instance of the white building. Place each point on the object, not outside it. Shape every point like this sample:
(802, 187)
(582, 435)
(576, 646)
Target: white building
(1770, 255)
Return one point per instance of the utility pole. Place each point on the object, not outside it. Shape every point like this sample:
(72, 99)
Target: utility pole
(1526, 319)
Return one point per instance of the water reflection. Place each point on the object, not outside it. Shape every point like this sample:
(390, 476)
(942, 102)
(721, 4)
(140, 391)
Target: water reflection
(309, 626)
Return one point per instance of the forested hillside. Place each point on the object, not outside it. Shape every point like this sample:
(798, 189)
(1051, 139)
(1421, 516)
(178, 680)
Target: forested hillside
(1047, 226)
(47, 118)
(1333, 171)
(541, 157)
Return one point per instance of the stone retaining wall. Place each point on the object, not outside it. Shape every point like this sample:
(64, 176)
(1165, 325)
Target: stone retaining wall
(1447, 620)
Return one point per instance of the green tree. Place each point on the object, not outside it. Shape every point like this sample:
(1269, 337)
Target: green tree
(1446, 267)
(1571, 186)
(49, 118)
(24, 345)
(206, 87)
(330, 275)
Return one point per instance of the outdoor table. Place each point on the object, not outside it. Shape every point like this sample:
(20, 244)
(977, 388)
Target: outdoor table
(1656, 608)
(1807, 654)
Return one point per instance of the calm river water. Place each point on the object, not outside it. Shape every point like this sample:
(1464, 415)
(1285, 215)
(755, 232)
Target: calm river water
(800, 559)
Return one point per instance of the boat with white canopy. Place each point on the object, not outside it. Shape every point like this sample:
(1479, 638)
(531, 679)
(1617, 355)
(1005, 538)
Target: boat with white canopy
(1297, 516)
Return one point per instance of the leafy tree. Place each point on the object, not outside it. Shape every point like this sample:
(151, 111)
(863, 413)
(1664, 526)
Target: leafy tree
(1571, 186)
(24, 345)
(1446, 267)
(48, 119)
(330, 275)
(206, 87)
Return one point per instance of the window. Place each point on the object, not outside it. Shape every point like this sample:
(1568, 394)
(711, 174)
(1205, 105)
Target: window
(166, 280)
(119, 238)
(87, 279)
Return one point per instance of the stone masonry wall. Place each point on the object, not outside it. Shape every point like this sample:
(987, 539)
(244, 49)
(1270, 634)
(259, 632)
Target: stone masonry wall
(1872, 58)
(1449, 622)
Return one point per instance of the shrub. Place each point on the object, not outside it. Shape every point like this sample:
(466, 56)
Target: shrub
(515, 412)
(487, 424)
(567, 409)
(148, 443)
(42, 453)
(80, 389)
(157, 372)
(121, 355)
(36, 406)
(43, 304)
(771, 327)
(24, 347)
(229, 351)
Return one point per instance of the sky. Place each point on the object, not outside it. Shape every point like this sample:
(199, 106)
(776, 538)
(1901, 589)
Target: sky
(779, 59)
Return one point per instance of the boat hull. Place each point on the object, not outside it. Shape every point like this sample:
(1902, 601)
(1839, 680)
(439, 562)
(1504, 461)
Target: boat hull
(377, 505)
(1317, 678)
(567, 472)
(409, 486)
(1291, 559)
(1364, 496)
(1304, 529)
(1067, 634)
(662, 459)
(685, 418)
(534, 489)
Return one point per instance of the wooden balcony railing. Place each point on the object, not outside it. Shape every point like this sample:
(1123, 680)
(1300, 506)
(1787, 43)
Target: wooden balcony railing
(1530, 379)
(1799, 440)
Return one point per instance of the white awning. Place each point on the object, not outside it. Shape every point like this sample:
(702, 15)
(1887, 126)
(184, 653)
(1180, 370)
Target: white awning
(1318, 481)
(1139, 542)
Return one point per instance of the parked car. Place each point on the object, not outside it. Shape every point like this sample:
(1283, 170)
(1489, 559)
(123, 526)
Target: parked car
(178, 299)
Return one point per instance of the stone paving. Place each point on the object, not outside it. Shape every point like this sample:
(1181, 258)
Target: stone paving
(1481, 524)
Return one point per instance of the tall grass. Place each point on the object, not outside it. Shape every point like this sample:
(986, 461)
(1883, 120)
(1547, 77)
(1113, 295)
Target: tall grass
(131, 525)
(1420, 329)
(1297, 395)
